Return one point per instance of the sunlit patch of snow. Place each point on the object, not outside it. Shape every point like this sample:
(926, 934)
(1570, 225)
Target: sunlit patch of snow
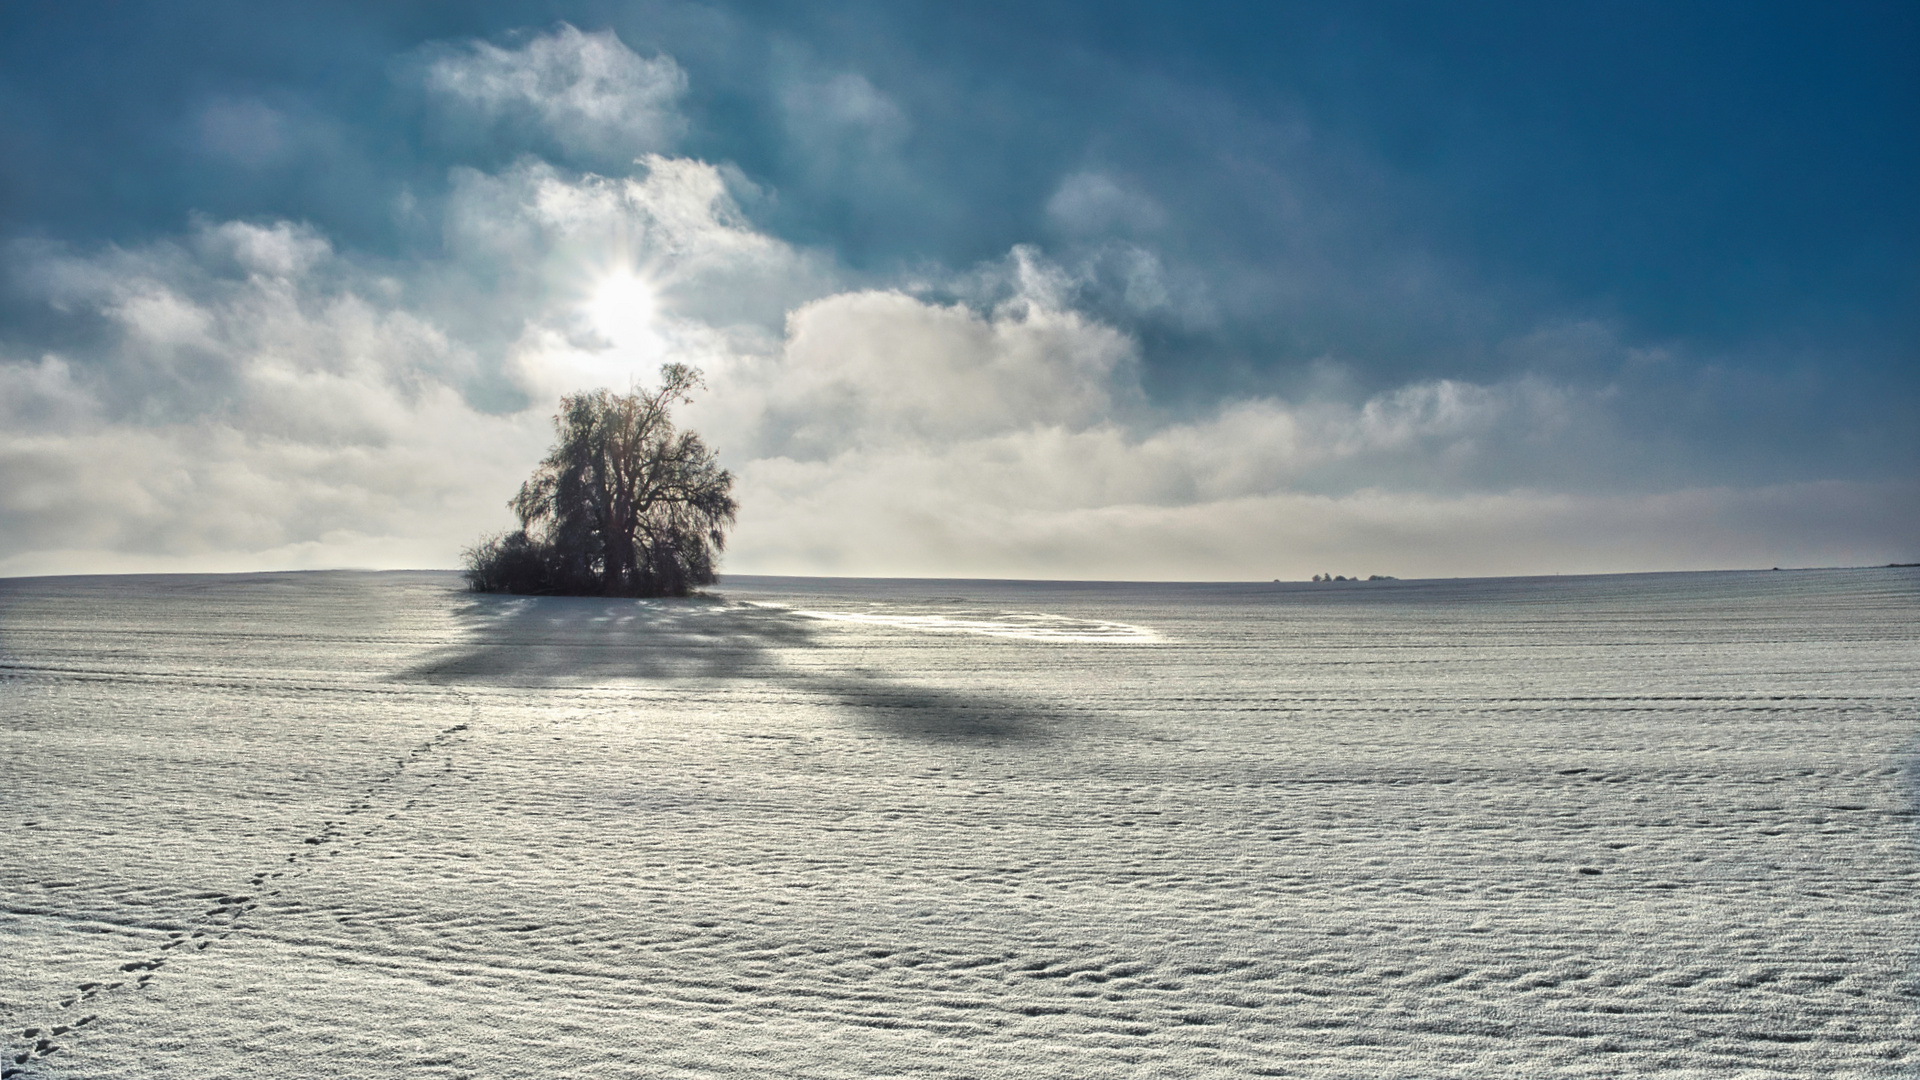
(1019, 625)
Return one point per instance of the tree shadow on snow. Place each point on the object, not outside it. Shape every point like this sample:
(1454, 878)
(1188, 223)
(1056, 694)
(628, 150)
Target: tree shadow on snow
(565, 641)
(579, 640)
(932, 714)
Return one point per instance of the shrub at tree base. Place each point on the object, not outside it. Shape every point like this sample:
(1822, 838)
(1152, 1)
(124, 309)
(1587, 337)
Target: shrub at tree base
(510, 563)
(623, 505)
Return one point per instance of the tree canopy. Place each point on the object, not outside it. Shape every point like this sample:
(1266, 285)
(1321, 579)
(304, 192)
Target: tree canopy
(623, 505)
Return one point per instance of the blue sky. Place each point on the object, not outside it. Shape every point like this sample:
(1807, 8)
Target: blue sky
(1094, 290)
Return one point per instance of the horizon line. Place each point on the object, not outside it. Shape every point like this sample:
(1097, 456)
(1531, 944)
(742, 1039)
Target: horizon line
(1380, 580)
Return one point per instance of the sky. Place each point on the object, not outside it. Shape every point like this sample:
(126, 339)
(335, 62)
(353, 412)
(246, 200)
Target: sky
(1048, 290)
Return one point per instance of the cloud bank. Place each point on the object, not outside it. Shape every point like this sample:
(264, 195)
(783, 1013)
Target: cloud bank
(252, 394)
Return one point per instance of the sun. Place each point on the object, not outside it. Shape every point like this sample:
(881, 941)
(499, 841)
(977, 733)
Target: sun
(622, 310)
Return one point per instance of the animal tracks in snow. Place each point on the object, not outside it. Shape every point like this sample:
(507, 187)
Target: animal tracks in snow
(230, 911)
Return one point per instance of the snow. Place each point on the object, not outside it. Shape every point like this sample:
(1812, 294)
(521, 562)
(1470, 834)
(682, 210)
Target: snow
(357, 824)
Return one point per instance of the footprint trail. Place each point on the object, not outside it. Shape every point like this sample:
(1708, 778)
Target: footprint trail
(228, 916)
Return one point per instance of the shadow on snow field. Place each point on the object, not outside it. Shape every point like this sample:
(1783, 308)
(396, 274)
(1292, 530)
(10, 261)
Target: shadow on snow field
(555, 641)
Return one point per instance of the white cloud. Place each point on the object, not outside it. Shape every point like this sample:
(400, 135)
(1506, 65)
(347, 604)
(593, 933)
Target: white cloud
(247, 397)
(537, 248)
(894, 436)
(881, 369)
(251, 394)
(44, 396)
(255, 397)
(588, 93)
(406, 473)
(1112, 275)
(802, 519)
(281, 250)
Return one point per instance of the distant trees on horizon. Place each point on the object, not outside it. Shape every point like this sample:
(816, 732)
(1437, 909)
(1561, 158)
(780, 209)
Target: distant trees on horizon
(623, 505)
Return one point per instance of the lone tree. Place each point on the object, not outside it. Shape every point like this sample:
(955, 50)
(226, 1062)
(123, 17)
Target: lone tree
(623, 505)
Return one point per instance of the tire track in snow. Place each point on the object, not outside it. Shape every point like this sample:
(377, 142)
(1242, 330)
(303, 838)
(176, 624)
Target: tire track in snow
(227, 916)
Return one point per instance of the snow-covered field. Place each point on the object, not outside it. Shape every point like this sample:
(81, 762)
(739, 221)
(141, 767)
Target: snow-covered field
(364, 825)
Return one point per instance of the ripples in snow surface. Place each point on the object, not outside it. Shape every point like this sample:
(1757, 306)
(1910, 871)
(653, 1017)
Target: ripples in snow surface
(367, 825)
